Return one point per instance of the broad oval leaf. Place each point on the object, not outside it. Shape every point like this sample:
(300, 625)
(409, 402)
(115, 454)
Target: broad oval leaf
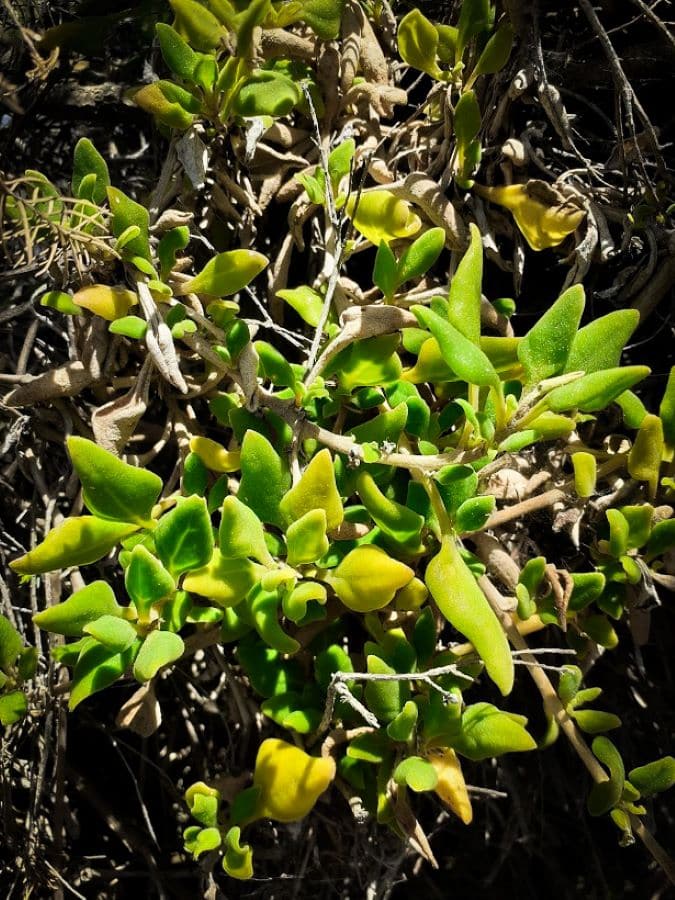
(88, 161)
(316, 489)
(266, 93)
(77, 541)
(225, 581)
(97, 668)
(11, 643)
(654, 777)
(367, 578)
(382, 216)
(418, 42)
(184, 537)
(113, 489)
(306, 538)
(126, 212)
(417, 773)
(264, 478)
(113, 632)
(109, 303)
(241, 533)
(487, 731)
(227, 273)
(160, 648)
(146, 580)
(594, 392)
(198, 24)
(290, 781)
(177, 53)
(544, 350)
(84, 606)
(385, 699)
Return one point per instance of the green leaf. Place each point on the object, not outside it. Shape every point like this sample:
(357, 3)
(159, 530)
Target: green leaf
(198, 840)
(585, 473)
(264, 609)
(598, 345)
(646, 454)
(372, 361)
(418, 43)
(340, 162)
(417, 773)
(264, 478)
(456, 485)
(112, 489)
(588, 586)
(595, 391)
(129, 326)
(402, 727)
(467, 125)
(274, 366)
(593, 721)
(367, 578)
(84, 606)
(323, 17)
(316, 489)
(195, 476)
(633, 409)
(113, 632)
(201, 28)
(305, 301)
(370, 748)
(238, 857)
(126, 212)
(266, 93)
(606, 794)
(224, 581)
(169, 244)
(227, 273)
(400, 523)
(11, 643)
(420, 256)
(667, 409)
(385, 269)
(475, 18)
(158, 649)
(177, 53)
(146, 580)
(544, 350)
(13, 707)
(61, 302)
(488, 731)
(464, 605)
(654, 777)
(88, 161)
(464, 298)
(306, 538)
(661, 539)
(241, 533)
(250, 16)
(466, 360)
(495, 54)
(203, 802)
(77, 541)
(385, 699)
(168, 103)
(184, 537)
(97, 668)
(473, 514)
(382, 216)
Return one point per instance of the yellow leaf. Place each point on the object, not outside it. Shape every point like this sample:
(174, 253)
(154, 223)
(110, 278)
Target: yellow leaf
(315, 490)
(225, 581)
(451, 787)
(367, 578)
(381, 216)
(214, 456)
(544, 216)
(108, 302)
(290, 780)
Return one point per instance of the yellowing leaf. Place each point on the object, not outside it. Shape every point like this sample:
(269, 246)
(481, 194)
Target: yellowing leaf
(381, 216)
(451, 787)
(543, 224)
(367, 578)
(290, 781)
(315, 490)
(214, 456)
(226, 273)
(108, 302)
(225, 581)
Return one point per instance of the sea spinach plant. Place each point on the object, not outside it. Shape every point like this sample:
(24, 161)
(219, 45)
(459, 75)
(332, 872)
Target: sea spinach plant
(337, 528)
